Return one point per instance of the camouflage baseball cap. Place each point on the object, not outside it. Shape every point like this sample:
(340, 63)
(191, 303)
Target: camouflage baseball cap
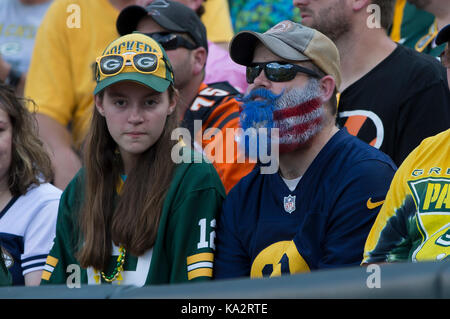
(290, 41)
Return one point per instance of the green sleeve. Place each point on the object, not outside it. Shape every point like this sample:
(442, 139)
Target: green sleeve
(193, 227)
(184, 250)
(62, 253)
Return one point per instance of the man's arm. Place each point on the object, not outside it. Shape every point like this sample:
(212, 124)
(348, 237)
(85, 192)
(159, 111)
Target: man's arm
(58, 142)
(33, 278)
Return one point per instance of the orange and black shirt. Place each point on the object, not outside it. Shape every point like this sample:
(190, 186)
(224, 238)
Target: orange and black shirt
(213, 120)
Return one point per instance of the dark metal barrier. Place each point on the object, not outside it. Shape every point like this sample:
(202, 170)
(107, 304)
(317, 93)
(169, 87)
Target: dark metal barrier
(403, 280)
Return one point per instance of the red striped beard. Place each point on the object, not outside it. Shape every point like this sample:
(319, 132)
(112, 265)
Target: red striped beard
(297, 124)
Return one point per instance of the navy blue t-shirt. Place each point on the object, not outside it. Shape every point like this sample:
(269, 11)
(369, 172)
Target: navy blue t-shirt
(266, 229)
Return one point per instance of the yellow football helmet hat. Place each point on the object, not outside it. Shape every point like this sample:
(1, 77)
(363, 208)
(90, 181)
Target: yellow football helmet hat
(134, 57)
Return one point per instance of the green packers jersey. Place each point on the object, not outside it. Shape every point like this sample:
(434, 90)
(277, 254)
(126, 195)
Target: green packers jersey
(184, 247)
(414, 222)
(415, 29)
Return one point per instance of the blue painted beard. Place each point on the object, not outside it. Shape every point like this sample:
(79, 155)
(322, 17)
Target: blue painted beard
(296, 115)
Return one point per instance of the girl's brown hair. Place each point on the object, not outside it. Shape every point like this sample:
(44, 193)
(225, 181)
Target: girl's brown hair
(30, 163)
(132, 218)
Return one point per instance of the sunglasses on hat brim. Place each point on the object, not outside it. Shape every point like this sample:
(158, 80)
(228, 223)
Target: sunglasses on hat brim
(112, 64)
(171, 41)
(277, 71)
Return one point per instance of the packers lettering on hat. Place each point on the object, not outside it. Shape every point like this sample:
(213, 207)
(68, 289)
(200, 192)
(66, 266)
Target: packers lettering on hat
(290, 41)
(134, 57)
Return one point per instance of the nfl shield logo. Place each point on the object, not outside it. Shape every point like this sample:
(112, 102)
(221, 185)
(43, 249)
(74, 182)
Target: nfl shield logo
(289, 204)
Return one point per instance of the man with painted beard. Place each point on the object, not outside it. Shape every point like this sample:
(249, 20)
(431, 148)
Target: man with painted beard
(316, 211)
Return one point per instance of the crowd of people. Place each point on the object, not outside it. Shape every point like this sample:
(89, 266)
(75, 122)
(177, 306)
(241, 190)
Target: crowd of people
(138, 138)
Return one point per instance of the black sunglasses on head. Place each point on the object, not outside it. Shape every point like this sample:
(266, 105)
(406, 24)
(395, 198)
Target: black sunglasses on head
(276, 71)
(171, 41)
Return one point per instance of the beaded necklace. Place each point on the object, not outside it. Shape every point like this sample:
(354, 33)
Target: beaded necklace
(118, 268)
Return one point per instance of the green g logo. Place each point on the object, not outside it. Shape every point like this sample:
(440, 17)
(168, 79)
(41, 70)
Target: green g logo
(437, 247)
(444, 240)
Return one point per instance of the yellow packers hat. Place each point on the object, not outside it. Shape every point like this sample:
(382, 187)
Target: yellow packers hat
(134, 57)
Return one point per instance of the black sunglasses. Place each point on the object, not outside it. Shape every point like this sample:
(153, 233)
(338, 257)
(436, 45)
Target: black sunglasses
(276, 71)
(171, 41)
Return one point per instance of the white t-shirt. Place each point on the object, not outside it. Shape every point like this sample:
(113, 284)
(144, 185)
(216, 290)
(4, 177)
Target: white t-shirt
(27, 230)
(292, 183)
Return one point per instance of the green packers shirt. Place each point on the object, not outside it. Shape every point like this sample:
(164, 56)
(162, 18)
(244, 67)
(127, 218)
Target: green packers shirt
(415, 29)
(414, 222)
(184, 247)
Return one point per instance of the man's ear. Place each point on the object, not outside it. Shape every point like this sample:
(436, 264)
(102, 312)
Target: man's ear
(98, 98)
(360, 4)
(199, 57)
(327, 86)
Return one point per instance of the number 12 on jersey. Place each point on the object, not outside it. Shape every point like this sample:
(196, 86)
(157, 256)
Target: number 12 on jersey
(203, 243)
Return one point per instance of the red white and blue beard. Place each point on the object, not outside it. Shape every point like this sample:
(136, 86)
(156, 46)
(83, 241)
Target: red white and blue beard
(297, 113)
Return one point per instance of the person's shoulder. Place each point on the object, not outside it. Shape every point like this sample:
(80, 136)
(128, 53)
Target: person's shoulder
(354, 151)
(39, 199)
(249, 182)
(218, 90)
(434, 145)
(73, 194)
(43, 193)
(218, 103)
(46, 189)
(420, 64)
(195, 173)
(63, 5)
(57, 13)
(62, 9)
(442, 138)
(70, 2)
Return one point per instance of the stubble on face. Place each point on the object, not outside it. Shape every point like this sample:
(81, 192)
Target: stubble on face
(333, 20)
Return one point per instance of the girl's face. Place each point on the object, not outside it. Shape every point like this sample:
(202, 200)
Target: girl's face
(135, 115)
(5, 145)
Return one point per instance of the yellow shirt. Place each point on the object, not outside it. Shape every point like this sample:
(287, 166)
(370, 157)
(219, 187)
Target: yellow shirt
(60, 79)
(414, 222)
(217, 21)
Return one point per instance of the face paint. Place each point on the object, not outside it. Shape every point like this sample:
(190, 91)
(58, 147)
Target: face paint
(256, 120)
(296, 113)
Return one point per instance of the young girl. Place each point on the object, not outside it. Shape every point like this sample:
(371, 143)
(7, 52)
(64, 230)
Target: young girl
(28, 203)
(131, 216)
